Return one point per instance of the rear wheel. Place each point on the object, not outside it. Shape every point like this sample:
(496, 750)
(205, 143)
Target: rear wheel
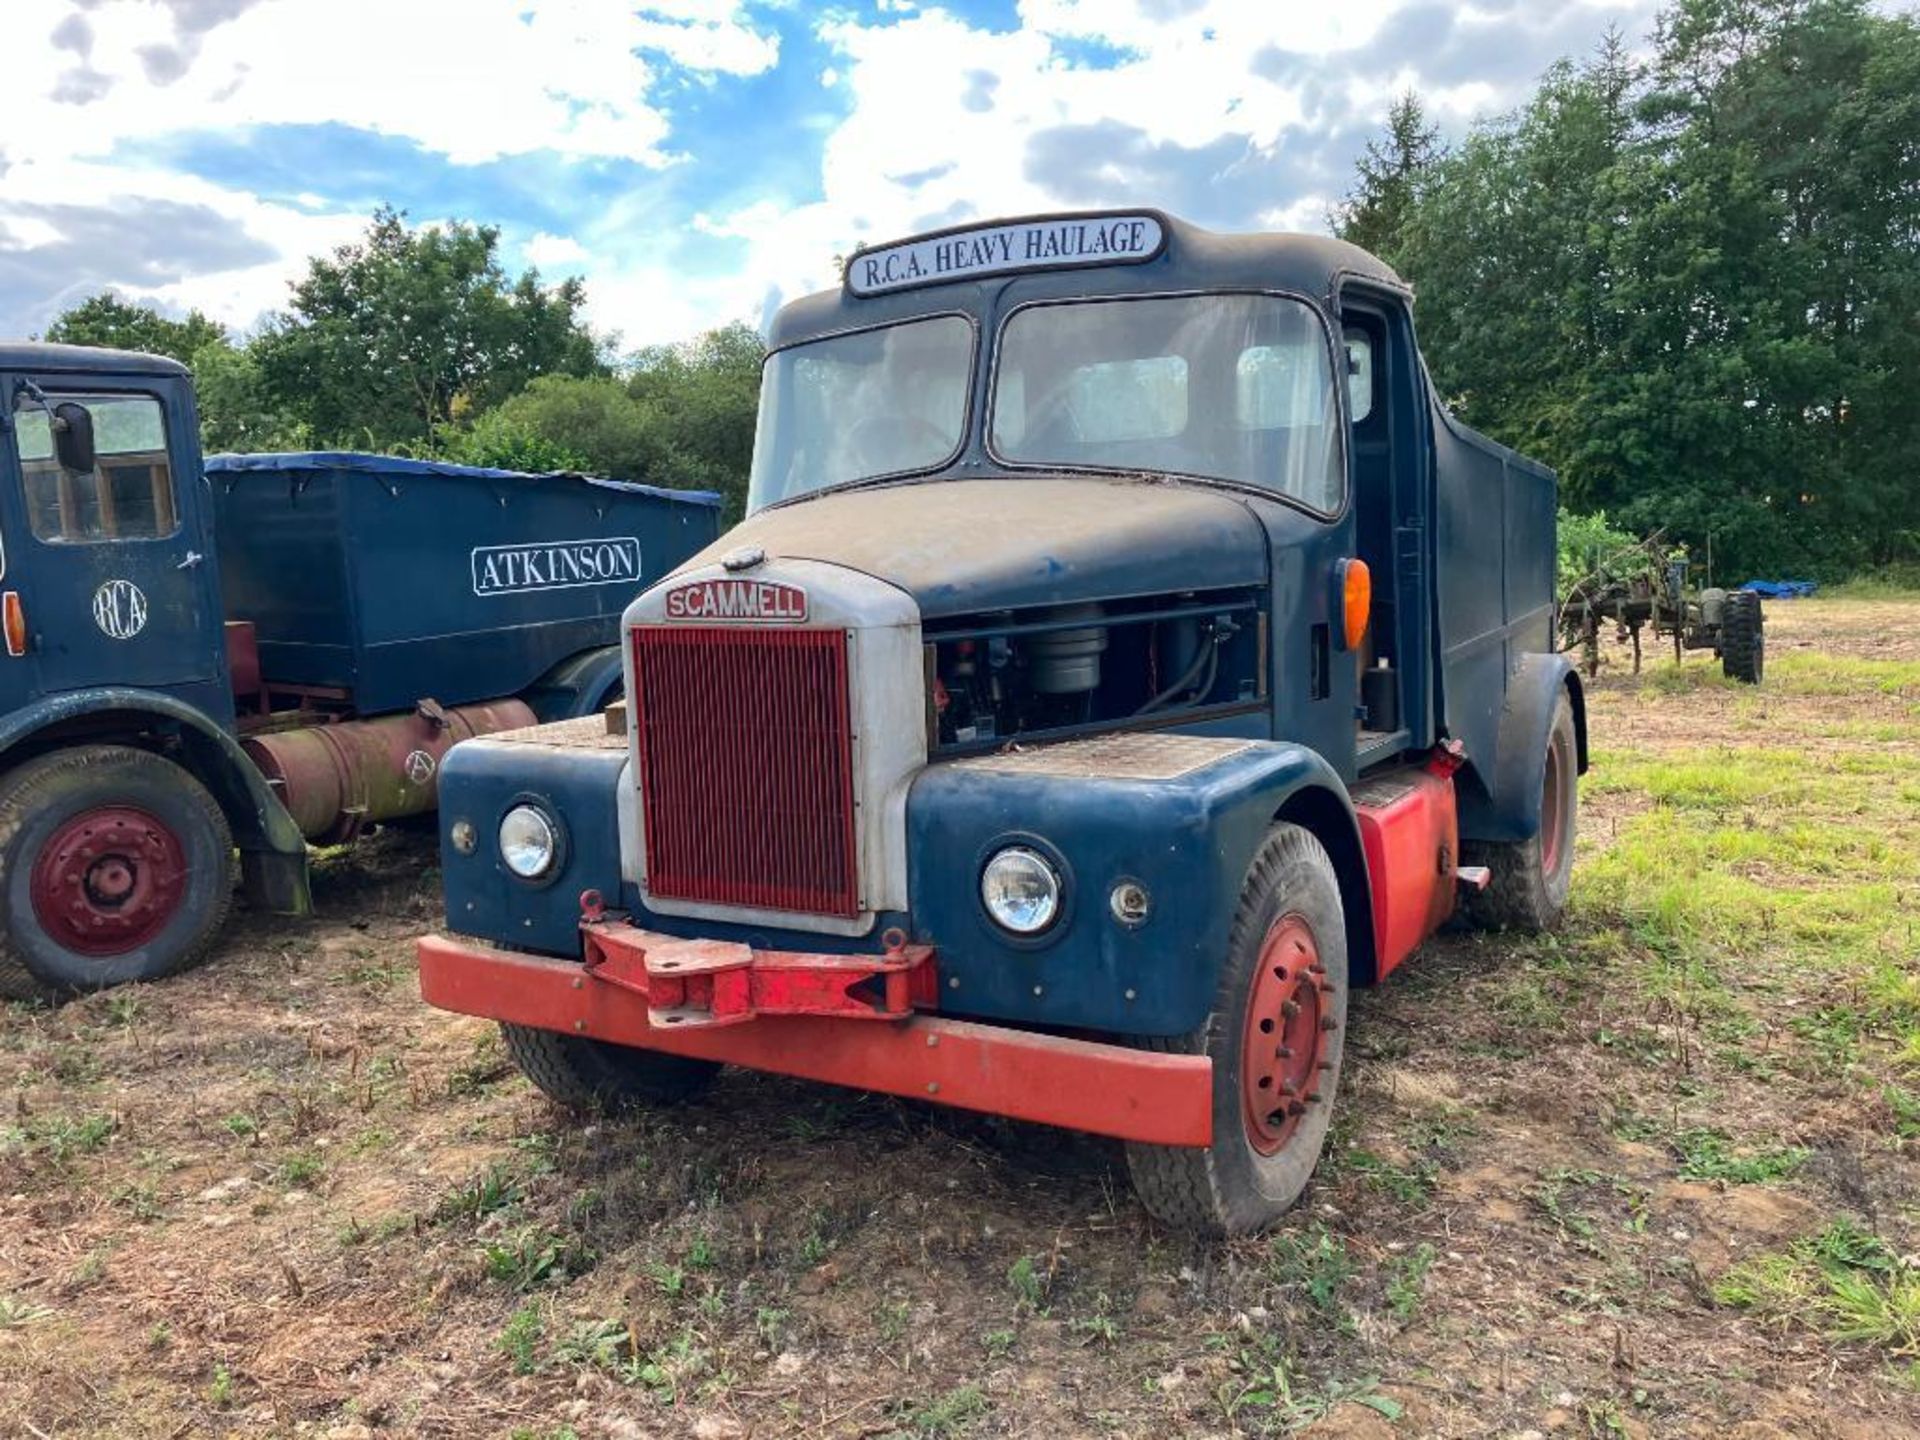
(1531, 878)
(1275, 1038)
(593, 1077)
(1743, 638)
(117, 865)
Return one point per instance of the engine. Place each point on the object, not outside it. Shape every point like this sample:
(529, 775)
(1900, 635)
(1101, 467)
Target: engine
(1051, 672)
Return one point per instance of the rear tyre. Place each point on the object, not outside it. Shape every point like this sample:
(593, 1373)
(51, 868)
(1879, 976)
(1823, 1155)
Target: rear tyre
(1531, 877)
(1275, 1038)
(117, 866)
(1743, 638)
(593, 1077)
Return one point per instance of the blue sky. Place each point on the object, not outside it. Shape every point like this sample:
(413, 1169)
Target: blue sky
(696, 161)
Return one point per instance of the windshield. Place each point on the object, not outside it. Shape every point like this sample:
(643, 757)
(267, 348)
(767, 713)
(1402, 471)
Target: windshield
(1231, 387)
(856, 406)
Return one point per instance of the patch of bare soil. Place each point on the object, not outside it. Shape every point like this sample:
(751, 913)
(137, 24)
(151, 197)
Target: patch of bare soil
(279, 1197)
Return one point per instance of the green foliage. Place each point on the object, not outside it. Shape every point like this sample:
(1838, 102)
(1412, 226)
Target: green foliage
(1391, 174)
(394, 338)
(1845, 1283)
(1683, 283)
(1591, 545)
(117, 324)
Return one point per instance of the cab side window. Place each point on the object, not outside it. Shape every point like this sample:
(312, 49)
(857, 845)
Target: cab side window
(129, 493)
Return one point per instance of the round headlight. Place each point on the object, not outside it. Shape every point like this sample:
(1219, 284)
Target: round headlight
(1020, 890)
(528, 843)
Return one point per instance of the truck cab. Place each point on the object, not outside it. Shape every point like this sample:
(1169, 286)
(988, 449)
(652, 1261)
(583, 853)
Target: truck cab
(1124, 654)
(253, 652)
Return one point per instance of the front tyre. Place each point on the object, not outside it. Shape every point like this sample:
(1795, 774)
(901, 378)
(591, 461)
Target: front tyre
(117, 865)
(593, 1077)
(1743, 638)
(1275, 1037)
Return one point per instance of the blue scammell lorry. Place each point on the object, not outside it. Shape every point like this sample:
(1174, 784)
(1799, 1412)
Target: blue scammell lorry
(1123, 655)
(260, 652)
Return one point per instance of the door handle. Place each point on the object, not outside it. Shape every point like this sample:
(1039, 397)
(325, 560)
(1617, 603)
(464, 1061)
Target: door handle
(194, 557)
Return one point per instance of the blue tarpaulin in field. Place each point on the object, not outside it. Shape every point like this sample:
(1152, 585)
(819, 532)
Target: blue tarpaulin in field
(1782, 589)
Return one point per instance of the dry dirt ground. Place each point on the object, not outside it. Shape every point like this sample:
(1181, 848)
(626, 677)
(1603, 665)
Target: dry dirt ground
(1654, 1175)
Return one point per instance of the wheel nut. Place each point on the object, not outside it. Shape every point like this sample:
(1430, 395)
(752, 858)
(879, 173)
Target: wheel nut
(1290, 1009)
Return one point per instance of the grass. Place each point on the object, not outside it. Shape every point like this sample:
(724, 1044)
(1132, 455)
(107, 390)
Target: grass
(1844, 1283)
(1709, 1155)
(1314, 1261)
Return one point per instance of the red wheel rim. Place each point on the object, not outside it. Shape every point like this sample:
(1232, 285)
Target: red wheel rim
(1552, 811)
(108, 881)
(1289, 1020)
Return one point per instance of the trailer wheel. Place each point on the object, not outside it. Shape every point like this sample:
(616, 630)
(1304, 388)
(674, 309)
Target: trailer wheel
(593, 1077)
(117, 865)
(1531, 877)
(1275, 1038)
(1743, 638)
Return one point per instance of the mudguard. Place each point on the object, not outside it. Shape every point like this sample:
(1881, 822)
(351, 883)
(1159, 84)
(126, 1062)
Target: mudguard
(1178, 815)
(273, 854)
(581, 684)
(1499, 794)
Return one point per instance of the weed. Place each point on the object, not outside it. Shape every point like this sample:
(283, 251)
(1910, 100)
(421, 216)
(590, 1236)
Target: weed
(1407, 1282)
(241, 1127)
(124, 1008)
(1846, 1283)
(220, 1391)
(492, 1190)
(1705, 1155)
(160, 1337)
(1029, 1283)
(520, 1341)
(598, 1344)
(63, 1136)
(1411, 1185)
(1549, 1195)
(998, 1343)
(1314, 1261)
(953, 1413)
(671, 1279)
(299, 1172)
(770, 1323)
(18, 1314)
(531, 1257)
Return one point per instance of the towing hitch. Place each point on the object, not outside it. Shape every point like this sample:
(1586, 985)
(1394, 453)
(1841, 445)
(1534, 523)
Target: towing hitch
(689, 984)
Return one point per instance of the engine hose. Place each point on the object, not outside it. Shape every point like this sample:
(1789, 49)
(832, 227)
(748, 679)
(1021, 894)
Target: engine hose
(1208, 660)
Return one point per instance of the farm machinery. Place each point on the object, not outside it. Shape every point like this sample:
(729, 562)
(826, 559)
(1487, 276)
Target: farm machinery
(1649, 586)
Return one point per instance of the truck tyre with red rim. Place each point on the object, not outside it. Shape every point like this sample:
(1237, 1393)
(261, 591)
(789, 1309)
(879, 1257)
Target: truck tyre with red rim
(1531, 877)
(593, 1077)
(118, 866)
(1275, 1038)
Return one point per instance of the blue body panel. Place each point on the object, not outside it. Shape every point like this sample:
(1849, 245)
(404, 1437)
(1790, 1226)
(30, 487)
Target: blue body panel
(1187, 840)
(397, 579)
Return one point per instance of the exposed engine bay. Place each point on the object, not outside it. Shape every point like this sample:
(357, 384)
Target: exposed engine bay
(1053, 671)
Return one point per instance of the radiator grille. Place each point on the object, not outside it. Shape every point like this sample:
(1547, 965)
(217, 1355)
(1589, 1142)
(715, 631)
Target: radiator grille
(746, 766)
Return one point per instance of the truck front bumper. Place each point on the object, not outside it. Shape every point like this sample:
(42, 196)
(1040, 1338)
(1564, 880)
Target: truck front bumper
(1088, 1085)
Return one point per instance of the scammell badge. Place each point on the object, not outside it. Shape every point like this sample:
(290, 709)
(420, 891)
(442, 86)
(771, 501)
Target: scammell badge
(753, 602)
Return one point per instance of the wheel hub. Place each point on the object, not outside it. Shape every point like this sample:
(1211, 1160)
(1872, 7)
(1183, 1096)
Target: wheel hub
(108, 880)
(1552, 811)
(1289, 1021)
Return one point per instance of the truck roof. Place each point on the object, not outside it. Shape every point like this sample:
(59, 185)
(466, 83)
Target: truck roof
(1190, 257)
(38, 355)
(365, 464)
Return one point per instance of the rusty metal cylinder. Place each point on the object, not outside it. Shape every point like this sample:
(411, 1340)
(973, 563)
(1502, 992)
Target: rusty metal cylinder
(336, 779)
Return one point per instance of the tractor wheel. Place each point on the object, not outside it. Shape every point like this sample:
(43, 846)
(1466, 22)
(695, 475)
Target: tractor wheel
(1743, 638)
(117, 865)
(1275, 1038)
(593, 1077)
(1531, 877)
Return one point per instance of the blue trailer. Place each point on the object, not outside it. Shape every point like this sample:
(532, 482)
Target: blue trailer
(1125, 653)
(260, 652)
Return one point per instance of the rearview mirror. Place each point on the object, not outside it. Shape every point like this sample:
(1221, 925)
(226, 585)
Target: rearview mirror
(73, 437)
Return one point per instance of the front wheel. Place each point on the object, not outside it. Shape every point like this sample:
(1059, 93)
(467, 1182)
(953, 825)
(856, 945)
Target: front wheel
(1275, 1038)
(117, 866)
(1743, 638)
(593, 1077)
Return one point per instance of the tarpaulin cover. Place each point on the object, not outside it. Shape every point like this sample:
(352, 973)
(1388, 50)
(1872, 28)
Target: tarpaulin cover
(1782, 589)
(397, 465)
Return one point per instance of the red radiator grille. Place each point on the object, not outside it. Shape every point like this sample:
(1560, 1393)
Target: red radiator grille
(746, 756)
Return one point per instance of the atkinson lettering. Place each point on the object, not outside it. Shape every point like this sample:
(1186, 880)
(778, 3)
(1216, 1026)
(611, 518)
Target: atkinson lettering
(555, 565)
(754, 602)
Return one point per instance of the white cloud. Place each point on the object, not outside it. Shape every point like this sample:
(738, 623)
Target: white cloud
(549, 251)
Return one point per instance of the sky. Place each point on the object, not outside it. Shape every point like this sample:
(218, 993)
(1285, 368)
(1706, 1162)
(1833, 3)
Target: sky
(694, 161)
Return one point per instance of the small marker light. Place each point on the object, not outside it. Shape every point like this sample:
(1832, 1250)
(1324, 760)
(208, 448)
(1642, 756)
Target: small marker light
(13, 618)
(1356, 600)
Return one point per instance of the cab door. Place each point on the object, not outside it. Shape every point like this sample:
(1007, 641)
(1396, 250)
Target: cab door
(113, 567)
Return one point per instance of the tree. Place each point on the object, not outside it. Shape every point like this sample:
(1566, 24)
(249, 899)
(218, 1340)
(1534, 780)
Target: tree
(682, 416)
(393, 339)
(236, 413)
(1391, 173)
(105, 319)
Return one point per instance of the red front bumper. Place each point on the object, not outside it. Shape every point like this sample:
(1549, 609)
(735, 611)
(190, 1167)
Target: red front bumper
(1078, 1084)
